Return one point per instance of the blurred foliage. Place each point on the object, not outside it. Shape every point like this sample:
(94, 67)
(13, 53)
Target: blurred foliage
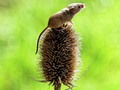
(98, 24)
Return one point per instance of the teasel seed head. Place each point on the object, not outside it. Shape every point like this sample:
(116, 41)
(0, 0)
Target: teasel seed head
(59, 53)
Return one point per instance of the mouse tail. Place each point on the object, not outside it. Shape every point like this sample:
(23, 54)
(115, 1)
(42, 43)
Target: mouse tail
(39, 39)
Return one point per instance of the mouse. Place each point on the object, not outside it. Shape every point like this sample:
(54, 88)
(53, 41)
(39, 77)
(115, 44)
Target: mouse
(60, 18)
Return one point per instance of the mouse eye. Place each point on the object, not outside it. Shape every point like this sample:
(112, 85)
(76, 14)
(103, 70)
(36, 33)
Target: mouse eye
(79, 6)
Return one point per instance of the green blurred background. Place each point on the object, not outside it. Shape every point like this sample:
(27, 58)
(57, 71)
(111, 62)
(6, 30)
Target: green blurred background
(98, 24)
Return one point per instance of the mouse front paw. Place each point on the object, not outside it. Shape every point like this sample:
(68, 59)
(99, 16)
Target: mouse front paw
(64, 25)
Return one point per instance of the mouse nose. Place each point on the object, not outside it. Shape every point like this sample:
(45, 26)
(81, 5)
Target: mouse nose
(81, 6)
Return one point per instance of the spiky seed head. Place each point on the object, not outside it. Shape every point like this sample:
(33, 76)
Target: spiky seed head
(59, 51)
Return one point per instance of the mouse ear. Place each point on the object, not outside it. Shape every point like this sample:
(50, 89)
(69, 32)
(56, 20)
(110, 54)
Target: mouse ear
(71, 10)
(71, 7)
(68, 12)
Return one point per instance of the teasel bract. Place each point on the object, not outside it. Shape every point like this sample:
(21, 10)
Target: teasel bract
(59, 52)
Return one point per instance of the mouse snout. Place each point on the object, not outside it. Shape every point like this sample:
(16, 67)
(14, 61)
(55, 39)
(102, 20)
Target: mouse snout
(81, 6)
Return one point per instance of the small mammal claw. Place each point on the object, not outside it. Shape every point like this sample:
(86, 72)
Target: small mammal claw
(65, 25)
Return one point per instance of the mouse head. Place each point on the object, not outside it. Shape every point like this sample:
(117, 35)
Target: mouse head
(75, 7)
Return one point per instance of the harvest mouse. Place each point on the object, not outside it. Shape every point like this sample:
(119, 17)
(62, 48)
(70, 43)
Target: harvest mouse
(60, 18)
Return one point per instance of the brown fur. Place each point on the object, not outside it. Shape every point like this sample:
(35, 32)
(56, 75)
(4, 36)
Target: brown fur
(62, 17)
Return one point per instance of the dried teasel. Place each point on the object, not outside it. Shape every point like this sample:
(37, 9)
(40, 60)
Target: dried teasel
(59, 52)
